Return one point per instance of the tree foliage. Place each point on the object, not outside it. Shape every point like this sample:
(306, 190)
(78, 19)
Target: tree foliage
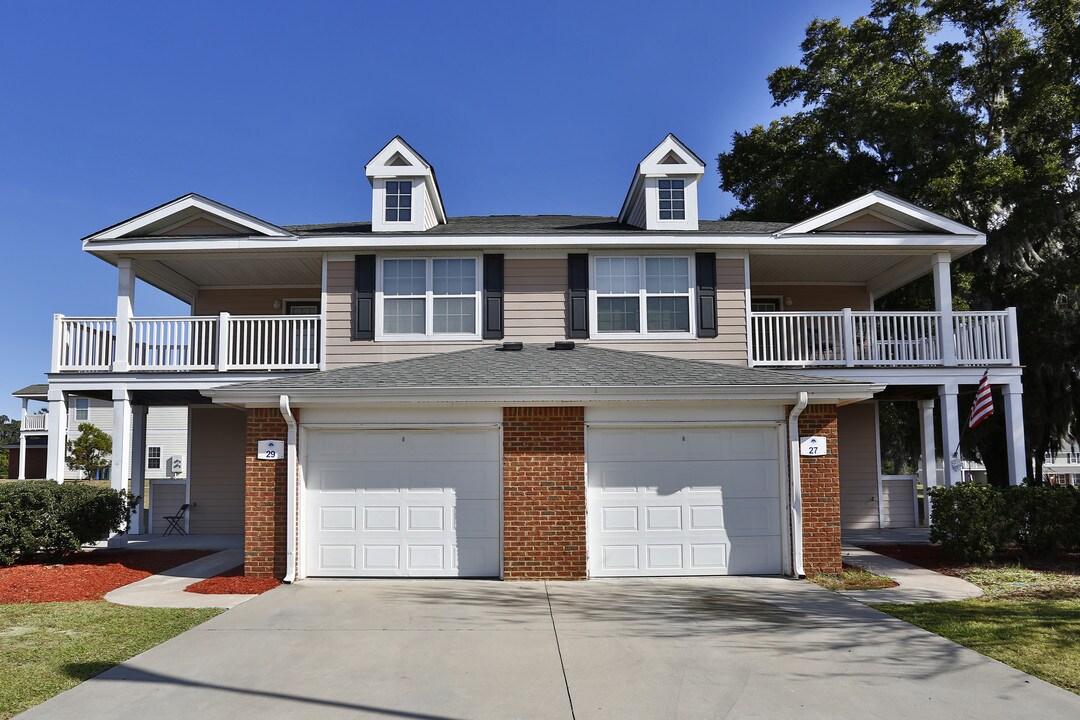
(89, 452)
(970, 108)
(9, 435)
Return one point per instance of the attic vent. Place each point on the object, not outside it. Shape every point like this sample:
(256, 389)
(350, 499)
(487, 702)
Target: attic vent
(510, 346)
(672, 159)
(563, 345)
(398, 160)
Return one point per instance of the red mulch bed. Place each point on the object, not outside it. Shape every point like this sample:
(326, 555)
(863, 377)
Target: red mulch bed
(233, 582)
(88, 575)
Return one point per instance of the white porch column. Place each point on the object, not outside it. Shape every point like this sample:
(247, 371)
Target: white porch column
(950, 431)
(929, 454)
(22, 442)
(125, 309)
(57, 453)
(138, 465)
(121, 440)
(942, 265)
(1014, 432)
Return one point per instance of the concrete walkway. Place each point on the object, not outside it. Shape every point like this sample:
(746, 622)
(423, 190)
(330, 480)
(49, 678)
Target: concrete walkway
(166, 589)
(683, 649)
(916, 584)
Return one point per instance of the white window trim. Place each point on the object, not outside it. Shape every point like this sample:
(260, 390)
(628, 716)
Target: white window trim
(429, 301)
(86, 409)
(148, 458)
(412, 201)
(685, 210)
(643, 318)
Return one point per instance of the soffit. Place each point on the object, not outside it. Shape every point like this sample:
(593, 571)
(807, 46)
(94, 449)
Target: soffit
(823, 267)
(217, 270)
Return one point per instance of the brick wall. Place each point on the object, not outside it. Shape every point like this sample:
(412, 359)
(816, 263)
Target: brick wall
(821, 493)
(264, 497)
(544, 493)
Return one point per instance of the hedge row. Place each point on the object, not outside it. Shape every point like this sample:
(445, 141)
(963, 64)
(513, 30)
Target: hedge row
(57, 519)
(975, 523)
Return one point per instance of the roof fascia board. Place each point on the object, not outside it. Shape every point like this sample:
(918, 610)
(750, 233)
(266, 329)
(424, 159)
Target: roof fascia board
(330, 243)
(874, 198)
(528, 394)
(181, 204)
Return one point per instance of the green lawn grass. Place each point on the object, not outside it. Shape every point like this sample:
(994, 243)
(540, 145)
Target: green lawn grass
(46, 648)
(1029, 619)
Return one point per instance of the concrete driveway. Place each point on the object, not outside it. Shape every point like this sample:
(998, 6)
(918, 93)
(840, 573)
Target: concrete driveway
(438, 650)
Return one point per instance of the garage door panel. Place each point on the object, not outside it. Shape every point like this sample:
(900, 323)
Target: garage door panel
(683, 501)
(400, 503)
(337, 518)
(754, 517)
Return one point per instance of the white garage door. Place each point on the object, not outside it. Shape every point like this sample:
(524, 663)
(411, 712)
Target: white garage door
(684, 501)
(402, 503)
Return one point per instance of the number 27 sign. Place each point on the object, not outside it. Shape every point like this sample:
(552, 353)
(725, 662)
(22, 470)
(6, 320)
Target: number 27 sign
(813, 446)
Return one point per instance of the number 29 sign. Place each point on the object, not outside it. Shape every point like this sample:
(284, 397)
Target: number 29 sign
(271, 450)
(813, 446)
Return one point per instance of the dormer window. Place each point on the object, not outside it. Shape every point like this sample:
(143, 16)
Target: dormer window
(672, 200)
(398, 200)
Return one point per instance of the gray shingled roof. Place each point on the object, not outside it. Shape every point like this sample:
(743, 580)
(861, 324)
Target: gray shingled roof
(32, 391)
(542, 225)
(537, 366)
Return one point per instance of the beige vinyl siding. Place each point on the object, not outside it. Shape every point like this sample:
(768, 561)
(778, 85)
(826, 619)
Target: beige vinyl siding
(816, 298)
(866, 223)
(165, 499)
(202, 226)
(857, 451)
(166, 427)
(898, 502)
(535, 311)
(217, 470)
(253, 301)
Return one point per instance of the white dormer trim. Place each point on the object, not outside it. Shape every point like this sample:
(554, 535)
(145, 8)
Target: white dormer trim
(181, 208)
(399, 161)
(878, 199)
(670, 160)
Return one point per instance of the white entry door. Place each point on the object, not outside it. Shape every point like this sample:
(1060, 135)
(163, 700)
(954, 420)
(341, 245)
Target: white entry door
(402, 503)
(684, 501)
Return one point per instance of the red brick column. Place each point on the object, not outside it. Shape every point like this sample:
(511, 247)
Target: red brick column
(544, 493)
(821, 493)
(265, 496)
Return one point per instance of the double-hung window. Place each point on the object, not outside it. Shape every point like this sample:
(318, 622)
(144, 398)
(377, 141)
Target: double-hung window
(398, 200)
(428, 298)
(82, 409)
(153, 457)
(642, 296)
(672, 199)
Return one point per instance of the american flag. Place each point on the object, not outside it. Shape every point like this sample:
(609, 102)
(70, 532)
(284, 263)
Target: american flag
(983, 407)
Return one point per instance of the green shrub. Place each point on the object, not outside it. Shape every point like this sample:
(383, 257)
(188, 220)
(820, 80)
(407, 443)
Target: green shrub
(43, 516)
(1045, 518)
(972, 522)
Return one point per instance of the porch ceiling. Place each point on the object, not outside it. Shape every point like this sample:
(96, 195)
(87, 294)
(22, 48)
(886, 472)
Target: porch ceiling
(179, 274)
(880, 273)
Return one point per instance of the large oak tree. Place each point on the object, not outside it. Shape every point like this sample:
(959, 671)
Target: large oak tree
(970, 108)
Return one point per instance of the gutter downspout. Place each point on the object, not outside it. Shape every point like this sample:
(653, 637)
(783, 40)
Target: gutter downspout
(796, 486)
(290, 503)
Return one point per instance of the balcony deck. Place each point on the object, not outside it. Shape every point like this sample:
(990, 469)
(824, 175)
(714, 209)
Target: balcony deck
(187, 344)
(883, 339)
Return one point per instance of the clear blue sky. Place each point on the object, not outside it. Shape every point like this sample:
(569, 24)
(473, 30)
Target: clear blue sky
(110, 108)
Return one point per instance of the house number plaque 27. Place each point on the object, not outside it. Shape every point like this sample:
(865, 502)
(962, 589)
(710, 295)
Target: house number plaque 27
(813, 446)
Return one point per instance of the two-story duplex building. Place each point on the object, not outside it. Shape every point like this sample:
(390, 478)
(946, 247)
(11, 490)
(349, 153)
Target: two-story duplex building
(538, 396)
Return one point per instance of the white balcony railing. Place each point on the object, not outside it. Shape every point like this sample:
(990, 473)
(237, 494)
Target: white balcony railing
(882, 339)
(187, 344)
(37, 422)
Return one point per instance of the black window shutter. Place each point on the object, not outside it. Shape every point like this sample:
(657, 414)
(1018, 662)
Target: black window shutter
(364, 299)
(706, 295)
(577, 295)
(493, 297)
